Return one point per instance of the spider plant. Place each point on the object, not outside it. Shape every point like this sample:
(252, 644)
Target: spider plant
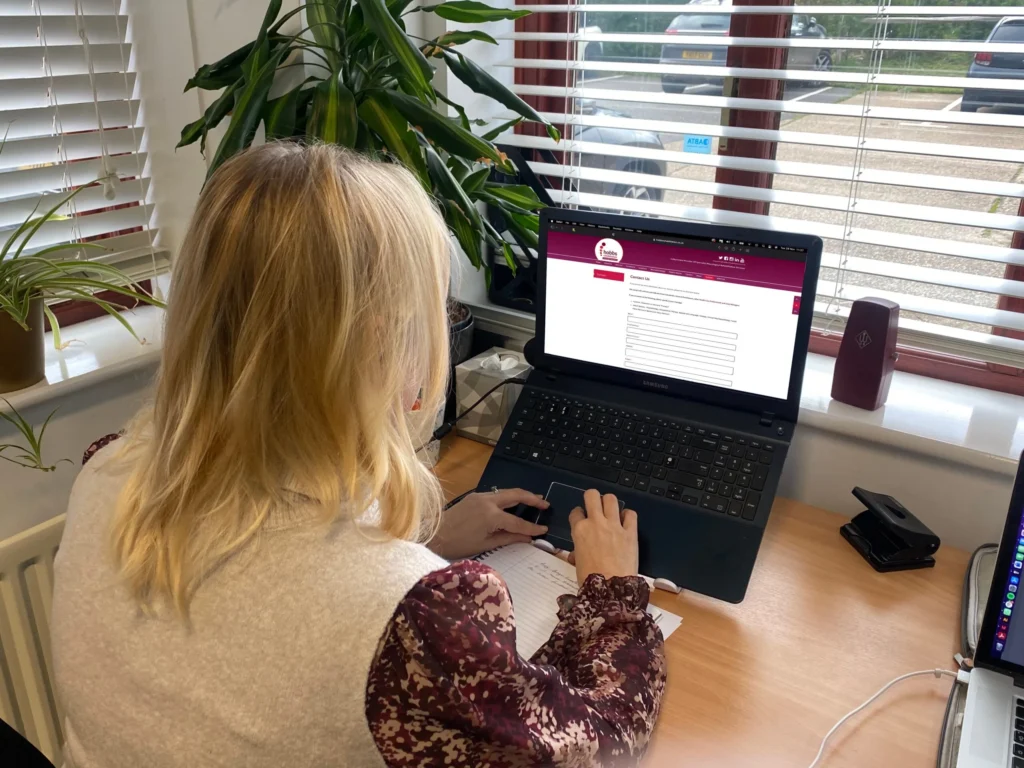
(42, 275)
(29, 456)
(369, 88)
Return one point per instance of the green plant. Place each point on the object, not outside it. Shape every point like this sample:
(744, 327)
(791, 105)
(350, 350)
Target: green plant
(25, 278)
(31, 456)
(368, 87)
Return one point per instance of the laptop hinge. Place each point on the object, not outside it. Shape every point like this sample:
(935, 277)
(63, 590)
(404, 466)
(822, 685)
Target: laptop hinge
(767, 418)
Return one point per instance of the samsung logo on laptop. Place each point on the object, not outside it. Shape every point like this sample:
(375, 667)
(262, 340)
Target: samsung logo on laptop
(655, 384)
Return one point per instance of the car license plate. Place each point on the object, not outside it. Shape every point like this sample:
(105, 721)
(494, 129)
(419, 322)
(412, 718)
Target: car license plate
(703, 55)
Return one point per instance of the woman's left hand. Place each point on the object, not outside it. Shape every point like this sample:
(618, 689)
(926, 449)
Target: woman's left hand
(479, 522)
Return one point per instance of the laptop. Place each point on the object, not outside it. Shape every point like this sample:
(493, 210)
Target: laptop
(993, 726)
(670, 357)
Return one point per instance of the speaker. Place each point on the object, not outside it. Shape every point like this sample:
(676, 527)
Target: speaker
(867, 355)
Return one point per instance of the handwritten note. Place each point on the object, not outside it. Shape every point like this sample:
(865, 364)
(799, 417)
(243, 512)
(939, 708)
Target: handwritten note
(536, 579)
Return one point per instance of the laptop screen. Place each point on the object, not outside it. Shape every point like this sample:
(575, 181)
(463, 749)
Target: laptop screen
(723, 313)
(1008, 638)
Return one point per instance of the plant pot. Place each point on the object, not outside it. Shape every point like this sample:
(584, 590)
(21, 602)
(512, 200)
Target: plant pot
(460, 333)
(460, 345)
(22, 363)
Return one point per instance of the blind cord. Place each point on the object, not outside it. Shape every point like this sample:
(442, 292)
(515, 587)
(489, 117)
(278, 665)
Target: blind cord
(106, 165)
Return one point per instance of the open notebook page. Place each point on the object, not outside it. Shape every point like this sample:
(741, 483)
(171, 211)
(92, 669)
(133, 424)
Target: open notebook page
(536, 579)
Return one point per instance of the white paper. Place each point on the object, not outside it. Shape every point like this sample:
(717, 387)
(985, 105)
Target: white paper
(536, 580)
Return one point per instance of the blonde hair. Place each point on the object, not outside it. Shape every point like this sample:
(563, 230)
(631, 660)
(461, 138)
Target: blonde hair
(308, 301)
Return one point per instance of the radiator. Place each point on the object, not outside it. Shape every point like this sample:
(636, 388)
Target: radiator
(28, 701)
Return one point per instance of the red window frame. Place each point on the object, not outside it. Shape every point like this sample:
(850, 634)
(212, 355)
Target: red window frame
(933, 364)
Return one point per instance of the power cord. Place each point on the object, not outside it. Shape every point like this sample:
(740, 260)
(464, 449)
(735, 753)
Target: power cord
(962, 675)
(448, 426)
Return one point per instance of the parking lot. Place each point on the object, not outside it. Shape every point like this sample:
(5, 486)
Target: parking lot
(994, 138)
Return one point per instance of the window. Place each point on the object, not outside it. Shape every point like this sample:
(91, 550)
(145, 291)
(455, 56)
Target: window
(70, 114)
(894, 132)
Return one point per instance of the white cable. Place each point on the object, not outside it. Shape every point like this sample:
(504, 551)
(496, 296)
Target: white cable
(936, 672)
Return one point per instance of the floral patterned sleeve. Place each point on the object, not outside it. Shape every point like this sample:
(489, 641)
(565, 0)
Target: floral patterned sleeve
(447, 687)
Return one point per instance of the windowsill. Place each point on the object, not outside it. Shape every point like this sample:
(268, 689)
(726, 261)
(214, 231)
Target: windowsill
(950, 422)
(95, 351)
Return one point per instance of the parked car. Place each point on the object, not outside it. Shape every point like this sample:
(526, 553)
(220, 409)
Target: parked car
(624, 137)
(717, 25)
(1002, 65)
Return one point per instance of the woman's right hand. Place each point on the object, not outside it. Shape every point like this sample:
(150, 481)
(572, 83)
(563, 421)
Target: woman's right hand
(605, 540)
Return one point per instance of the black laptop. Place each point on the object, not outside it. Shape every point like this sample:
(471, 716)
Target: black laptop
(669, 367)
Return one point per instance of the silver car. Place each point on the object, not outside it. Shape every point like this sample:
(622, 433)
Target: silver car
(711, 54)
(1001, 65)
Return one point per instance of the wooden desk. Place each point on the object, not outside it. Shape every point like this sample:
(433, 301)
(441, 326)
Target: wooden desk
(760, 683)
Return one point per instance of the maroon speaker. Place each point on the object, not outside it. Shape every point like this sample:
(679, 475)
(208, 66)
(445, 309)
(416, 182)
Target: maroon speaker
(867, 356)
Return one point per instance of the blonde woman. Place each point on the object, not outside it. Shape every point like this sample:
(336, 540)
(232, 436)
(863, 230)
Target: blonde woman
(240, 581)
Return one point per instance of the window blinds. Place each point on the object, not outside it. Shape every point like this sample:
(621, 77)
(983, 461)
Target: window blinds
(69, 110)
(899, 140)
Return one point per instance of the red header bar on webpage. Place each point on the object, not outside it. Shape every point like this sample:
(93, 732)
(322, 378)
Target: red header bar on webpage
(604, 274)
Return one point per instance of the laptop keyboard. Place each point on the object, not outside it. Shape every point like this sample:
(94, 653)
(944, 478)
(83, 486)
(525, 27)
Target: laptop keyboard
(1018, 735)
(676, 459)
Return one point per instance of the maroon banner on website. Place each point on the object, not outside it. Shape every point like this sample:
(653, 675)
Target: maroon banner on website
(762, 271)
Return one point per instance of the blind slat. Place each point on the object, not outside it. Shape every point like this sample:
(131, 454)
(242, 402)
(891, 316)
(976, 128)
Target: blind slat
(785, 10)
(809, 138)
(883, 208)
(932, 245)
(49, 8)
(789, 75)
(784, 167)
(73, 119)
(38, 180)
(91, 226)
(37, 93)
(834, 43)
(14, 212)
(918, 274)
(24, 31)
(62, 60)
(926, 306)
(792, 106)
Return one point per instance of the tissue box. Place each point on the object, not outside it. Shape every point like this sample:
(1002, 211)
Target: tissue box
(477, 375)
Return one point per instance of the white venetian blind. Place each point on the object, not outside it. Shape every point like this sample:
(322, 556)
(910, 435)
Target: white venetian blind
(70, 113)
(899, 140)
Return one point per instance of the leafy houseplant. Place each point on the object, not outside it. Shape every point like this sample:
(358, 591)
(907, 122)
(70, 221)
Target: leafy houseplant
(29, 455)
(369, 88)
(28, 280)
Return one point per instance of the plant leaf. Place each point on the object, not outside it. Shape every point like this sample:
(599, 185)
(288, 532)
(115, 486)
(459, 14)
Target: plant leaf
(249, 103)
(451, 189)
(54, 327)
(523, 226)
(459, 36)
(322, 18)
(472, 12)
(473, 75)
(222, 73)
(495, 132)
(333, 118)
(384, 26)
(448, 135)
(473, 181)
(519, 195)
(393, 129)
(210, 119)
(464, 232)
(279, 114)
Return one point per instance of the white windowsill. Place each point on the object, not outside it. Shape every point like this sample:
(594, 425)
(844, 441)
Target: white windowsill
(951, 422)
(95, 351)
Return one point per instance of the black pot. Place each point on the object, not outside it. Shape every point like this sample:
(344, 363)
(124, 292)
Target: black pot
(23, 362)
(460, 344)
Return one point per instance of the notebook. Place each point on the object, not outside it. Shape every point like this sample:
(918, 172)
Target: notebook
(536, 579)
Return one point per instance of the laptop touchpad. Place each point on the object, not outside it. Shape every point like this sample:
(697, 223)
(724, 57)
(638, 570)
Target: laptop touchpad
(563, 500)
